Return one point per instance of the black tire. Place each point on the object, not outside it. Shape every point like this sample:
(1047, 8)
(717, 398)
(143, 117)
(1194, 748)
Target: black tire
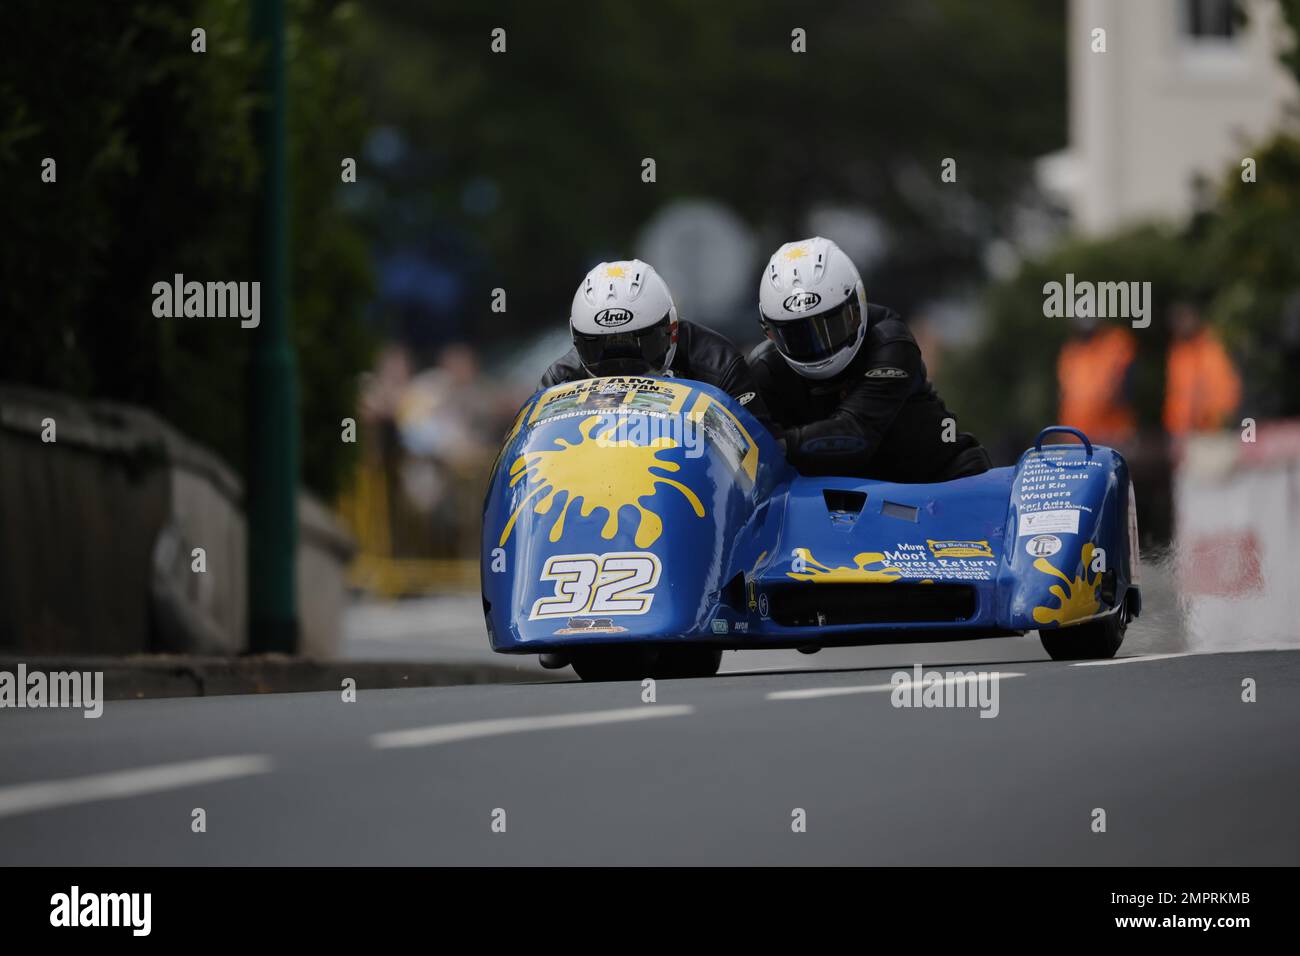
(1092, 640)
(612, 663)
(688, 662)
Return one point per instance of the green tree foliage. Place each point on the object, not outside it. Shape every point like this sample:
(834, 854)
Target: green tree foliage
(561, 121)
(1238, 259)
(156, 173)
(1250, 247)
(1005, 386)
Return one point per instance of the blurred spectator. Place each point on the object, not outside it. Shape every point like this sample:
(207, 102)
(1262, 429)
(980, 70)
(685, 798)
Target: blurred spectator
(381, 390)
(444, 412)
(428, 441)
(1201, 386)
(1095, 373)
(445, 423)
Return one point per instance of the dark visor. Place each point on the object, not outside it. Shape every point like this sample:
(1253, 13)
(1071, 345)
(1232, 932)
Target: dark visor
(642, 352)
(815, 338)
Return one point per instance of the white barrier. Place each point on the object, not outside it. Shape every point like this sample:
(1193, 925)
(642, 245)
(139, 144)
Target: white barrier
(1237, 538)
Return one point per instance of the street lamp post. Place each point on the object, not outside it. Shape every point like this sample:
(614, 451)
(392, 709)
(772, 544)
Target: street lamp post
(272, 473)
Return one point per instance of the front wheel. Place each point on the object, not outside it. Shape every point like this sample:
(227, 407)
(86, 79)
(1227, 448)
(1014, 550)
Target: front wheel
(1092, 640)
(612, 663)
(688, 662)
(637, 663)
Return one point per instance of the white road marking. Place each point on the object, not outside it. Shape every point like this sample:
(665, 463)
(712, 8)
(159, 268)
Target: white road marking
(29, 797)
(449, 733)
(808, 693)
(1129, 660)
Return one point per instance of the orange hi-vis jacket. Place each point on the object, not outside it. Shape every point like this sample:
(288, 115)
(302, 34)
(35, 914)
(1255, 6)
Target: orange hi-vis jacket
(1201, 387)
(1092, 373)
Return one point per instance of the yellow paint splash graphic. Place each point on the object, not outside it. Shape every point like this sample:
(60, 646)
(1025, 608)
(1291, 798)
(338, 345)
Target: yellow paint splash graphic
(1078, 598)
(821, 574)
(601, 472)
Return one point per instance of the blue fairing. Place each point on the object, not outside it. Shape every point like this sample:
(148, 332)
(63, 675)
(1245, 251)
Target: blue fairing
(658, 510)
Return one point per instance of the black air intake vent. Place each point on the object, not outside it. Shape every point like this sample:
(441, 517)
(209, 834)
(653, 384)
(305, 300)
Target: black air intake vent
(893, 509)
(812, 605)
(848, 502)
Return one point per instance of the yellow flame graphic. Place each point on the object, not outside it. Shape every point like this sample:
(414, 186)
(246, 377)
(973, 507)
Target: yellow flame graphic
(821, 574)
(602, 473)
(1078, 598)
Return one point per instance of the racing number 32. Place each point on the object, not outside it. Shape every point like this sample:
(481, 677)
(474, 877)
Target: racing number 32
(614, 583)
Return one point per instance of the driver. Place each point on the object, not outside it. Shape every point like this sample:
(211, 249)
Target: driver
(624, 322)
(845, 380)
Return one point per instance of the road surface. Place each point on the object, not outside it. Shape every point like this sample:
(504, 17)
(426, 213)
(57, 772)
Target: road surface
(714, 771)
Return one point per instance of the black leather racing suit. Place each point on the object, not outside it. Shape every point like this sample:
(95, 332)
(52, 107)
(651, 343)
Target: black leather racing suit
(880, 418)
(702, 355)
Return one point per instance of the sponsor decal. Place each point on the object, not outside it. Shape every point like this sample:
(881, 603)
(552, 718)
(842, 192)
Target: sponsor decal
(1060, 521)
(741, 627)
(904, 562)
(801, 302)
(591, 625)
(719, 626)
(627, 393)
(746, 398)
(960, 549)
(605, 475)
(869, 566)
(613, 318)
(1077, 601)
(762, 605)
(1042, 545)
(727, 434)
(887, 372)
(621, 582)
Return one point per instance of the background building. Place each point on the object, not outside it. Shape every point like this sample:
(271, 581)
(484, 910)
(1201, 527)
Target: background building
(1182, 89)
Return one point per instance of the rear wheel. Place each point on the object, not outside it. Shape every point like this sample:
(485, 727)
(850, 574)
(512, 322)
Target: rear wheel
(612, 663)
(1092, 640)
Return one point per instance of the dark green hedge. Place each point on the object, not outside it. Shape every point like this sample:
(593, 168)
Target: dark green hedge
(156, 170)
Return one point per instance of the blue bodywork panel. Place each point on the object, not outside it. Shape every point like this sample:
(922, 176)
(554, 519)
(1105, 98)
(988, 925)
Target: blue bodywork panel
(653, 510)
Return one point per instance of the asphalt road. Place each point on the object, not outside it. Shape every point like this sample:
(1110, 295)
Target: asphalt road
(713, 772)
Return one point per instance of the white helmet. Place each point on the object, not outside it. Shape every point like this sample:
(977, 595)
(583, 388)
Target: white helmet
(812, 306)
(624, 321)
